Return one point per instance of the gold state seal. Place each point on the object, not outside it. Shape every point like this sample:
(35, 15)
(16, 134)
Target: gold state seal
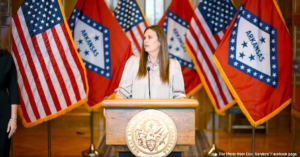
(151, 133)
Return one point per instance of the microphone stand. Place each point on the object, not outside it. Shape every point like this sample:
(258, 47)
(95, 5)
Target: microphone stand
(148, 69)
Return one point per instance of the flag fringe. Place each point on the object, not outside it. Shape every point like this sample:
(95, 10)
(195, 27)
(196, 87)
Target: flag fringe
(241, 105)
(143, 12)
(274, 113)
(198, 87)
(204, 83)
(234, 5)
(79, 58)
(98, 105)
(71, 107)
(280, 14)
(197, 69)
(191, 3)
(193, 91)
(57, 114)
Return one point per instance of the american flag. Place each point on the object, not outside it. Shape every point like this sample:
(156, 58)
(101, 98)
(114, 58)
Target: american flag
(208, 25)
(51, 76)
(132, 20)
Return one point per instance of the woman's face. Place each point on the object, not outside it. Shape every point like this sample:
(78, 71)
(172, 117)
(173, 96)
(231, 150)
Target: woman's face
(151, 42)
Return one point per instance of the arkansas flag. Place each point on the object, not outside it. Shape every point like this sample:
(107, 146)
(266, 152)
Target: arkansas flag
(255, 59)
(176, 22)
(102, 45)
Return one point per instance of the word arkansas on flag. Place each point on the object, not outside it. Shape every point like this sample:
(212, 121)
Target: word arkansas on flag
(255, 58)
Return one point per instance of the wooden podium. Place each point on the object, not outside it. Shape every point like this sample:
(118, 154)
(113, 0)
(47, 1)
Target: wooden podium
(119, 113)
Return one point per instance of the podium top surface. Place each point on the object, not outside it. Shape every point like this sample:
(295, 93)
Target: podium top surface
(150, 103)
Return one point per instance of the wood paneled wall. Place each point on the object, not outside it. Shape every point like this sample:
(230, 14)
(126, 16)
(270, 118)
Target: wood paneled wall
(296, 132)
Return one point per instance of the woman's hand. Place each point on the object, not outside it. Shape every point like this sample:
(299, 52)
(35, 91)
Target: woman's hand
(12, 124)
(11, 127)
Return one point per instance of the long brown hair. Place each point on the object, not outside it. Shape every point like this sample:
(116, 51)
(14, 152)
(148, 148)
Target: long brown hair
(3, 50)
(163, 56)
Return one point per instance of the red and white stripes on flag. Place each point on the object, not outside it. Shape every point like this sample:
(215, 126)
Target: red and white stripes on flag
(131, 18)
(202, 40)
(136, 35)
(51, 76)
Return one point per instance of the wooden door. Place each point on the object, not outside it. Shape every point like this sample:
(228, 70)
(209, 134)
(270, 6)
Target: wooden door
(296, 78)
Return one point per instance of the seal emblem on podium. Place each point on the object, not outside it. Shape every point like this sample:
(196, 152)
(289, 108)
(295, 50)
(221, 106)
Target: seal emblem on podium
(151, 133)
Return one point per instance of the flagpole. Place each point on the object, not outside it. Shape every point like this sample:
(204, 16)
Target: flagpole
(64, 4)
(213, 151)
(253, 140)
(92, 151)
(154, 11)
(49, 138)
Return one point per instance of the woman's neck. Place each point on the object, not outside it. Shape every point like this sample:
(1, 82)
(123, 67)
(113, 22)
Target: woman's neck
(153, 59)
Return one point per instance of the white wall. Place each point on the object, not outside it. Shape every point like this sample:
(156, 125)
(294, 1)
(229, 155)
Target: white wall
(153, 9)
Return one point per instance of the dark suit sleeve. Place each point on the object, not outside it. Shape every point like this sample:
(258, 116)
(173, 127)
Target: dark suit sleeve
(13, 84)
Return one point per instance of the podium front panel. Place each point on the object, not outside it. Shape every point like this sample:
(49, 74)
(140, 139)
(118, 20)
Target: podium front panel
(118, 118)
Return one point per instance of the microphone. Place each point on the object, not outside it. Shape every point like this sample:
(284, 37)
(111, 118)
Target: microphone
(148, 69)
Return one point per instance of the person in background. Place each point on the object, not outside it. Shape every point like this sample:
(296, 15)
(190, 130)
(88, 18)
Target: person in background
(153, 75)
(9, 100)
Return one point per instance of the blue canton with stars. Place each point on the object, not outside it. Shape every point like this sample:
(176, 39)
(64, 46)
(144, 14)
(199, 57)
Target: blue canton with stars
(41, 15)
(128, 14)
(217, 14)
(182, 22)
(105, 72)
(272, 79)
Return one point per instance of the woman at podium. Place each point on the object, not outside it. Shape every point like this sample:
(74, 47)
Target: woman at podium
(153, 75)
